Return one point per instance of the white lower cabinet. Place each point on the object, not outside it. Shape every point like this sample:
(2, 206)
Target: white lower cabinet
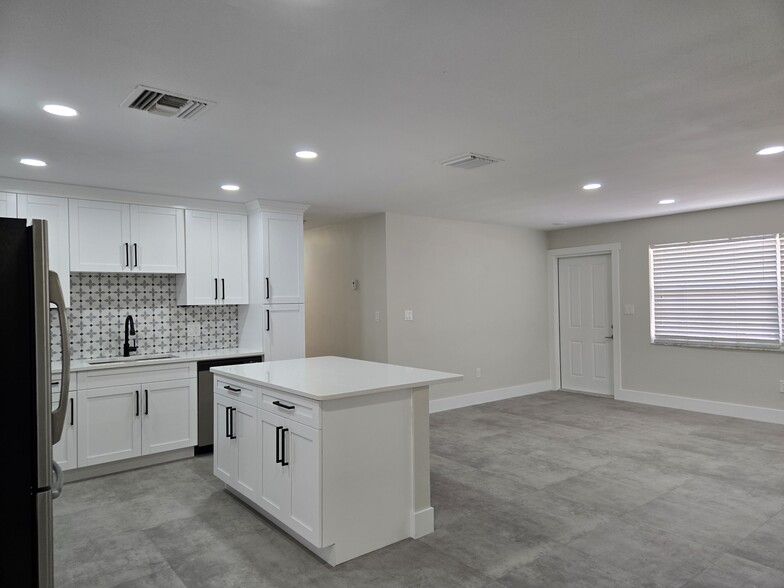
(120, 422)
(236, 445)
(64, 452)
(290, 486)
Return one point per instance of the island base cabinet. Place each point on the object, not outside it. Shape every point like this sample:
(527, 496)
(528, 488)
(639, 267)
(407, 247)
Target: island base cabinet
(290, 487)
(235, 457)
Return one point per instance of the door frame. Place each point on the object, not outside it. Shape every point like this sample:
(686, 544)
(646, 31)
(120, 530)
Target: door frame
(553, 255)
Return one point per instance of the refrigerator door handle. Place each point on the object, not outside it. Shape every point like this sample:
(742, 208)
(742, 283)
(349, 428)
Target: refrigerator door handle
(58, 416)
(57, 483)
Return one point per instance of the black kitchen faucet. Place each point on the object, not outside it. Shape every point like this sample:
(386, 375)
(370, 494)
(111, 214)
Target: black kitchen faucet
(129, 330)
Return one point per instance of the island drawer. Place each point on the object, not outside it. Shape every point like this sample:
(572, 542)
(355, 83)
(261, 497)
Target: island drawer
(236, 389)
(296, 408)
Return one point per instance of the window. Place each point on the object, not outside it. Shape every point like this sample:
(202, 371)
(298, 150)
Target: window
(722, 293)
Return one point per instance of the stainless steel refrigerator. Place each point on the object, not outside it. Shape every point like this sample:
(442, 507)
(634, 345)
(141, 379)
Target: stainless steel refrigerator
(31, 425)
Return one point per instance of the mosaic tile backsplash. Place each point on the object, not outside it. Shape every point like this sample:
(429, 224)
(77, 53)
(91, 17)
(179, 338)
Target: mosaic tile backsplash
(100, 303)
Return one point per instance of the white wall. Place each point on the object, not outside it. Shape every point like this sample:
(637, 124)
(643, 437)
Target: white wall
(740, 377)
(479, 296)
(339, 320)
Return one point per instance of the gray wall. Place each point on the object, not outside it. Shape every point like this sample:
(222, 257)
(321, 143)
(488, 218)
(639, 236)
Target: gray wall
(479, 296)
(740, 377)
(339, 320)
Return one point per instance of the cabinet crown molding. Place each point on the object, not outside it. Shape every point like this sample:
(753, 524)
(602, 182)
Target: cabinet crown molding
(275, 206)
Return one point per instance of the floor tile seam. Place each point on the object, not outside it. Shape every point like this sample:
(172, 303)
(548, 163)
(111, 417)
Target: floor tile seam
(675, 534)
(734, 545)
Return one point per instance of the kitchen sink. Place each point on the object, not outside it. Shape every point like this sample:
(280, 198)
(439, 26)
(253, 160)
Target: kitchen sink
(130, 359)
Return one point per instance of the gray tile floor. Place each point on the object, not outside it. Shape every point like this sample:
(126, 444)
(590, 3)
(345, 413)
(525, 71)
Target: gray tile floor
(554, 489)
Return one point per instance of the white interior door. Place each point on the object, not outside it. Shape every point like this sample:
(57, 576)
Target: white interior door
(585, 323)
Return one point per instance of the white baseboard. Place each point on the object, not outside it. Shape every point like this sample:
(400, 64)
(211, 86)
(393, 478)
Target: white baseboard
(741, 411)
(463, 400)
(422, 522)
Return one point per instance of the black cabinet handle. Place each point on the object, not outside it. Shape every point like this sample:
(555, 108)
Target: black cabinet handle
(72, 410)
(283, 461)
(268, 320)
(136, 393)
(216, 288)
(135, 256)
(278, 459)
(223, 289)
(231, 389)
(227, 423)
(267, 279)
(286, 406)
(127, 256)
(146, 402)
(233, 436)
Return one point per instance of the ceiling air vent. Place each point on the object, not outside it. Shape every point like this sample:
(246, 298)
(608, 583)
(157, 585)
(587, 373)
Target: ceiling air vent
(165, 103)
(470, 160)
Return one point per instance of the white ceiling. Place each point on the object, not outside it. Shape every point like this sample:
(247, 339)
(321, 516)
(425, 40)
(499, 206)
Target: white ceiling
(653, 98)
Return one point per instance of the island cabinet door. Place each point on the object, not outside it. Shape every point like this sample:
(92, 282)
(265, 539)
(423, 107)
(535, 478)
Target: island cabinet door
(244, 428)
(303, 452)
(225, 454)
(274, 487)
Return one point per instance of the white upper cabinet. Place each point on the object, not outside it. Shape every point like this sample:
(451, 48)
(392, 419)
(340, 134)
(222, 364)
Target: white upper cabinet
(216, 253)
(284, 265)
(157, 239)
(284, 331)
(55, 212)
(114, 237)
(7, 205)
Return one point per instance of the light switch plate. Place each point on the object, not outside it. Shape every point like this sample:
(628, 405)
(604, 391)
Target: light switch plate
(408, 315)
(628, 309)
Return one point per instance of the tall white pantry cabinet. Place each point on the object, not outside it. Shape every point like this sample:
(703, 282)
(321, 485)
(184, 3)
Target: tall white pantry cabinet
(276, 255)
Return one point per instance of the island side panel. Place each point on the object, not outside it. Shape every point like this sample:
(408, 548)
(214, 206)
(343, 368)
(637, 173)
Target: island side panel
(367, 472)
(423, 516)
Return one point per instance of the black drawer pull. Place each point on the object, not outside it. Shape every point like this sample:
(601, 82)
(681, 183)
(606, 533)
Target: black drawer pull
(228, 434)
(136, 393)
(72, 411)
(267, 297)
(232, 389)
(146, 402)
(283, 447)
(233, 436)
(286, 406)
(278, 459)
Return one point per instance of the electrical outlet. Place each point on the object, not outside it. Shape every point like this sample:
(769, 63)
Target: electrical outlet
(378, 316)
(408, 315)
(781, 386)
(478, 372)
(355, 284)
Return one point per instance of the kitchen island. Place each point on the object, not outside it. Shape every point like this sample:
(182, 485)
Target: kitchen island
(336, 451)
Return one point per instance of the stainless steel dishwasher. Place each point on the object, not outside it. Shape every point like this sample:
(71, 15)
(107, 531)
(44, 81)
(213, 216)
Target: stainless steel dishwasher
(206, 394)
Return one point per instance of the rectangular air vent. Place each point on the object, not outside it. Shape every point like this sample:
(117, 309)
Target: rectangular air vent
(470, 160)
(165, 103)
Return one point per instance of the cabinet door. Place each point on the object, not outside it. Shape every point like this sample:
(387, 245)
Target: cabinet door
(247, 442)
(233, 258)
(99, 236)
(274, 493)
(110, 424)
(284, 258)
(157, 239)
(224, 457)
(303, 452)
(7, 205)
(64, 452)
(168, 415)
(55, 212)
(201, 259)
(284, 331)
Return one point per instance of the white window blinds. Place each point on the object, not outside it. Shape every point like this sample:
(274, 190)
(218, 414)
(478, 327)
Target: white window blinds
(722, 293)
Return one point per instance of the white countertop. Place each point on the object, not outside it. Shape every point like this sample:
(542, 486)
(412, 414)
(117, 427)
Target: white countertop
(80, 365)
(330, 378)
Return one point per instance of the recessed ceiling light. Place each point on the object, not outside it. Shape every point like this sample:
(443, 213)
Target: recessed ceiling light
(667, 201)
(230, 187)
(592, 186)
(774, 150)
(306, 154)
(60, 110)
(33, 162)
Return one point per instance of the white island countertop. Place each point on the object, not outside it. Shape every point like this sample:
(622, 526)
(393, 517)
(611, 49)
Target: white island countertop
(330, 378)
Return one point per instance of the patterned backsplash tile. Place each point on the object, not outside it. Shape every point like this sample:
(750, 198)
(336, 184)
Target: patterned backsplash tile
(100, 303)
